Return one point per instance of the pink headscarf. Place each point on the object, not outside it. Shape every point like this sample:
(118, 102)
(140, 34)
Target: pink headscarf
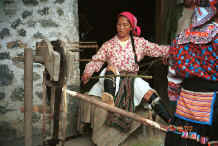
(133, 21)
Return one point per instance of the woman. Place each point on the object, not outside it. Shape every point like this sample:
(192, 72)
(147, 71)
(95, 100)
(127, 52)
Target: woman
(122, 53)
(193, 70)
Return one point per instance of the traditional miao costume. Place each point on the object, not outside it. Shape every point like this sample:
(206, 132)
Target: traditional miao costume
(121, 59)
(193, 82)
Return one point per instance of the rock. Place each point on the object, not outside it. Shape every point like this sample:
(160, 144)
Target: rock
(39, 94)
(44, 11)
(35, 117)
(43, 1)
(4, 55)
(22, 32)
(6, 130)
(5, 32)
(10, 7)
(38, 35)
(48, 23)
(4, 110)
(16, 23)
(26, 14)
(60, 12)
(2, 95)
(6, 75)
(36, 76)
(31, 23)
(31, 2)
(17, 94)
(59, 1)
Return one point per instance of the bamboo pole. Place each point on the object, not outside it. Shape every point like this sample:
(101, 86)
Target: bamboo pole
(36, 59)
(135, 76)
(84, 46)
(111, 108)
(44, 95)
(28, 95)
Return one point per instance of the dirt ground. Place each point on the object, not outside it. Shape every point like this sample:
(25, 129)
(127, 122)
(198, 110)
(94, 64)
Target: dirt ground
(141, 137)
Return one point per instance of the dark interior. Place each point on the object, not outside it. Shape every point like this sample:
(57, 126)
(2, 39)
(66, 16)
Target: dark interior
(98, 18)
(97, 21)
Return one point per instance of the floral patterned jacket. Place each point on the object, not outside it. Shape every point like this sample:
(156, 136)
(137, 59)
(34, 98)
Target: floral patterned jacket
(122, 58)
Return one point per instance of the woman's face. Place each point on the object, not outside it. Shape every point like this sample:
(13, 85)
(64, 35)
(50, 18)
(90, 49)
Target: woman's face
(123, 27)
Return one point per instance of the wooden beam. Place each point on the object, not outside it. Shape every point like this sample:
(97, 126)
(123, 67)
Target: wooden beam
(111, 108)
(36, 59)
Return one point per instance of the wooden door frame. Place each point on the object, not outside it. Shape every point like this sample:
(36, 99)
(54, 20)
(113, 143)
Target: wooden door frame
(159, 19)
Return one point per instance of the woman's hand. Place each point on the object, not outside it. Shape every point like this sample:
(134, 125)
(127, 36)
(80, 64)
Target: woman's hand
(85, 78)
(165, 60)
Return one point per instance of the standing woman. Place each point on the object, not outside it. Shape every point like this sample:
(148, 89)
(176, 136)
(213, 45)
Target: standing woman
(122, 54)
(193, 60)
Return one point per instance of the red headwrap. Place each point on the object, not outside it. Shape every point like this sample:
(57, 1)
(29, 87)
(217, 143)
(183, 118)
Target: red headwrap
(133, 21)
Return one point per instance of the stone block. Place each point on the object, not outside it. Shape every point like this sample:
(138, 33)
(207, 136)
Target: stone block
(44, 11)
(16, 23)
(60, 12)
(22, 32)
(59, 1)
(36, 76)
(26, 14)
(30, 2)
(38, 35)
(4, 55)
(48, 23)
(9, 7)
(2, 95)
(6, 75)
(17, 94)
(5, 32)
(31, 23)
(43, 1)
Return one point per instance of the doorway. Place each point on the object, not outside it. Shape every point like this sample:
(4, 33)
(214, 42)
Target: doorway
(98, 18)
(97, 21)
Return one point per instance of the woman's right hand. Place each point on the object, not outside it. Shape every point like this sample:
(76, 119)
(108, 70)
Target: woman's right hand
(85, 78)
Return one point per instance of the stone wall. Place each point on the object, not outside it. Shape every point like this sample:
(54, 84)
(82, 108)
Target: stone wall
(22, 24)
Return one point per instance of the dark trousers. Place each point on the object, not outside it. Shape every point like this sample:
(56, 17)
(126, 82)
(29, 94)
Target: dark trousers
(110, 83)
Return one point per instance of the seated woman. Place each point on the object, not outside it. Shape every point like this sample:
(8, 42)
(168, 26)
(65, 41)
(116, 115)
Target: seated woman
(122, 53)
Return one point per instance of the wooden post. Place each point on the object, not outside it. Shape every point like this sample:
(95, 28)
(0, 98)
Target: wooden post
(28, 95)
(44, 95)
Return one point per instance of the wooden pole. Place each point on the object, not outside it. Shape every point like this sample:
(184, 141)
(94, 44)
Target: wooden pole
(121, 75)
(28, 95)
(111, 108)
(44, 95)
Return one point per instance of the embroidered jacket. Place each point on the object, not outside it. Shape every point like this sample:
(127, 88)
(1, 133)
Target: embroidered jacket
(123, 58)
(193, 54)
